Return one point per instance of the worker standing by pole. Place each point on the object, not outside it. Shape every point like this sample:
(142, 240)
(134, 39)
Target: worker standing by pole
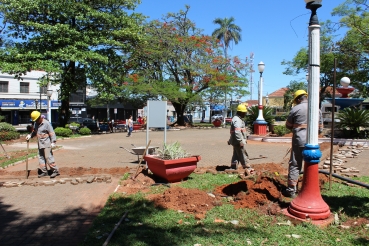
(46, 141)
(238, 140)
(297, 123)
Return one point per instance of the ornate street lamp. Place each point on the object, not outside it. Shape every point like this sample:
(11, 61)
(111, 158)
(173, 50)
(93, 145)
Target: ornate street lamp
(260, 124)
(309, 204)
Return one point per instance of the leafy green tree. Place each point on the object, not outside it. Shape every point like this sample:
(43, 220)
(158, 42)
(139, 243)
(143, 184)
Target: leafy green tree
(227, 32)
(300, 62)
(81, 41)
(178, 63)
(353, 119)
(354, 46)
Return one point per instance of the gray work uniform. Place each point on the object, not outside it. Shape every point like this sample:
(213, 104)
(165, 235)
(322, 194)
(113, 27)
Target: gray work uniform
(45, 135)
(297, 122)
(238, 135)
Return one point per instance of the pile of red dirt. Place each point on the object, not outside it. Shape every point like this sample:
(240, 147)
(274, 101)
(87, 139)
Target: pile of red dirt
(192, 201)
(261, 192)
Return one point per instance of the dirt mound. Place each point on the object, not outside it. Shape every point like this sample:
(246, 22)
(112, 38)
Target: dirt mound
(141, 183)
(187, 200)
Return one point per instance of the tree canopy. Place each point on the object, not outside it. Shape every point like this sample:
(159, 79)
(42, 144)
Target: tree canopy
(351, 51)
(82, 41)
(178, 63)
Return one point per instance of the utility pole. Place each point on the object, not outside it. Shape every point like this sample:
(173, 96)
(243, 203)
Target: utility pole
(251, 71)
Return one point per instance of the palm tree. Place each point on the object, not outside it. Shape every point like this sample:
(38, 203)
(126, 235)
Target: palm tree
(227, 32)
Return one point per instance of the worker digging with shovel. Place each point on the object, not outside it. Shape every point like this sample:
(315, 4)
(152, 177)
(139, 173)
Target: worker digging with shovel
(46, 141)
(238, 140)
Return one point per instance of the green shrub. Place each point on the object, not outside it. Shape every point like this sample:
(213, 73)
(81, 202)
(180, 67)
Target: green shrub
(85, 131)
(281, 130)
(9, 135)
(353, 119)
(63, 132)
(8, 132)
(6, 127)
(172, 152)
(253, 113)
(73, 124)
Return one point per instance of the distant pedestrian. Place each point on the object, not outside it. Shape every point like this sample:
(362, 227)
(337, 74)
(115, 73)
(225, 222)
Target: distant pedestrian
(130, 126)
(46, 141)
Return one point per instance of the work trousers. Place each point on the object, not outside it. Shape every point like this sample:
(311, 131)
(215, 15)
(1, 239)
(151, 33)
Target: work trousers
(295, 165)
(45, 155)
(239, 155)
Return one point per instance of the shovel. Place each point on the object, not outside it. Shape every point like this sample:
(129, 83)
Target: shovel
(27, 160)
(6, 154)
(139, 164)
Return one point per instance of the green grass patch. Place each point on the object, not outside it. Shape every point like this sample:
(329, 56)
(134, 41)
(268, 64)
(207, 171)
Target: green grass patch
(147, 224)
(207, 181)
(17, 156)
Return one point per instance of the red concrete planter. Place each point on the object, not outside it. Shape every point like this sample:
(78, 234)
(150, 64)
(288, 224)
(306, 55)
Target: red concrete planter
(217, 123)
(172, 170)
(137, 126)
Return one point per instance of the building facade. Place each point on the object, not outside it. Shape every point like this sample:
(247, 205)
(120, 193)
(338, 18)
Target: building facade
(19, 97)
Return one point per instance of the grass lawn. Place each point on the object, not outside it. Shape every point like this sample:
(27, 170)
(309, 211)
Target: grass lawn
(147, 224)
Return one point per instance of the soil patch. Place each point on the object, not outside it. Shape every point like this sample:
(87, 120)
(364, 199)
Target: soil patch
(69, 172)
(261, 192)
(186, 200)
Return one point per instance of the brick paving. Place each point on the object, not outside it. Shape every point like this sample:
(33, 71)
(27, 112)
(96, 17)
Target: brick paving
(61, 214)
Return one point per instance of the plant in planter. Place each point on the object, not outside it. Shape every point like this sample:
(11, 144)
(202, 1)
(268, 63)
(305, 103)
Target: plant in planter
(172, 163)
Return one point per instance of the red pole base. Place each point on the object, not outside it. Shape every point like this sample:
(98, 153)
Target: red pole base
(309, 202)
(260, 129)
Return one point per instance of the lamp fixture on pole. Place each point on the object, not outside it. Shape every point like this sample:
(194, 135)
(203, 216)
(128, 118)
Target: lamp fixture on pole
(309, 204)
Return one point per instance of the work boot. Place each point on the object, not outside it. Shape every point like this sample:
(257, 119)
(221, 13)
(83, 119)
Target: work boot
(289, 192)
(43, 173)
(54, 174)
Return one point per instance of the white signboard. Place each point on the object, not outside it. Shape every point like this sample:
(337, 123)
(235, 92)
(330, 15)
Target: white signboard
(156, 117)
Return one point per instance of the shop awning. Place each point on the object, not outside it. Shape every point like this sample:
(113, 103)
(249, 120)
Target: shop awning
(11, 104)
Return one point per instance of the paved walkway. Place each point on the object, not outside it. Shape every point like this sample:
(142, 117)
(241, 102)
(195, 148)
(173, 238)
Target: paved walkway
(61, 214)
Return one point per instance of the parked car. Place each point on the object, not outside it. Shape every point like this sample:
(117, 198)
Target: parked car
(90, 124)
(217, 117)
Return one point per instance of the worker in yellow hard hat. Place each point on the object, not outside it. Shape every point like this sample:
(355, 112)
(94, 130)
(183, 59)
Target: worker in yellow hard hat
(46, 141)
(297, 122)
(298, 94)
(238, 140)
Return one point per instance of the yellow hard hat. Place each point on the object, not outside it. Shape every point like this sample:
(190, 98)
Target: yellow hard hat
(242, 108)
(35, 115)
(299, 93)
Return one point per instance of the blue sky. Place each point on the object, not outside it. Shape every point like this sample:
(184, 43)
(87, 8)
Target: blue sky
(273, 30)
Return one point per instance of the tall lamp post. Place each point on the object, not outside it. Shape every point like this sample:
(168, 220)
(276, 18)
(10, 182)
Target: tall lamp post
(49, 94)
(260, 124)
(309, 204)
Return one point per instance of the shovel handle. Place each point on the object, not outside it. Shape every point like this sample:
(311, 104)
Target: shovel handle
(27, 160)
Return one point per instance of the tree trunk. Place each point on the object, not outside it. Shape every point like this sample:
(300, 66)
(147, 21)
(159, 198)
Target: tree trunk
(180, 108)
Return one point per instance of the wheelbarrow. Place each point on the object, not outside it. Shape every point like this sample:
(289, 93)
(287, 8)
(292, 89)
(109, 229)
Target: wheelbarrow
(139, 150)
